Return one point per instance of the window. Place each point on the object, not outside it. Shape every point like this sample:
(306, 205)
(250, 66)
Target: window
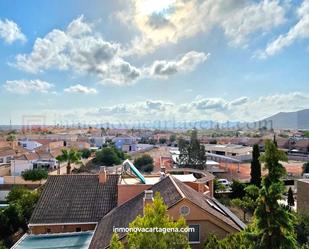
(48, 230)
(194, 236)
(1, 160)
(184, 210)
(78, 229)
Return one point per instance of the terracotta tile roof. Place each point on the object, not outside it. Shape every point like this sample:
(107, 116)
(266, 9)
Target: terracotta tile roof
(28, 156)
(6, 151)
(75, 199)
(172, 191)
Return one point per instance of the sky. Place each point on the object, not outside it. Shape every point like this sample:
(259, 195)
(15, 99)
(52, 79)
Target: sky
(78, 61)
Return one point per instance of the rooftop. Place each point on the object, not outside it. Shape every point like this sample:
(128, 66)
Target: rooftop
(172, 191)
(75, 199)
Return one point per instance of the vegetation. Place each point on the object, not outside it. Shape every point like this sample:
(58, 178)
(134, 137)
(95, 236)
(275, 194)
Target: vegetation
(302, 229)
(69, 156)
(248, 202)
(155, 216)
(15, 217)
(233, 241)
(115, 243)
(273, 225)
(109, 156)
(162, 140)
(306, 134)
(34, 174)
(85, 153)
(290, 198)
(11, 138)
(144, 163)
(306, 168)
(173, 138)
(238, 189)
(192, 153)
(256, 167)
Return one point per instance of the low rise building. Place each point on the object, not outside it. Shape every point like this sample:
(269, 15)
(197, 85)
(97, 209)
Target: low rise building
(239, 152)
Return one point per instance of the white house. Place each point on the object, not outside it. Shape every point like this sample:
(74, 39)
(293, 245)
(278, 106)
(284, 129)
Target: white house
(6, 155)
(29, 144)
(32, 161)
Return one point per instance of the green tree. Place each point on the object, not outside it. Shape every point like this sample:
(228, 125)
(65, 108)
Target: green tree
(290, 198)
(192, 153)
(273, 224)
(232, 241)
(34, 174)
(144, 163)
(115, 243)
(85, 153)
(255, 166)
(248, 202)
(302, 229)
(306, 167)
(11, 138)
(162, 140)
(237, 189)
(155, 216)
(108, 156)
(69, 156)
(172, 138)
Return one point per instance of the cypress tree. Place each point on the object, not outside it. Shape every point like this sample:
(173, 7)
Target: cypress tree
(290, 198)
(255, 166)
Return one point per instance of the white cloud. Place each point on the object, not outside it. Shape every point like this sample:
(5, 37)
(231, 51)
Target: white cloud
(80, 49)
(27, 86)
(10, 32)
(80, 89)
(180, 19)
(299, 31)
(200, 109)
(186, 63)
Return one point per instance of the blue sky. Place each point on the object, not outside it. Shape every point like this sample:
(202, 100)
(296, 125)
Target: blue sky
(75, 61)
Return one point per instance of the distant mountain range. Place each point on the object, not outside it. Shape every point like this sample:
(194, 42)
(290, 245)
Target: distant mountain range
(289, 120)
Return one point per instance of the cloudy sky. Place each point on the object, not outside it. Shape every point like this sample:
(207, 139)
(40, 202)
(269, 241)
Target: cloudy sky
(79, 60)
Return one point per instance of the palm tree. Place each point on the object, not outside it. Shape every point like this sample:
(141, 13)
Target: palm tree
(69, 156)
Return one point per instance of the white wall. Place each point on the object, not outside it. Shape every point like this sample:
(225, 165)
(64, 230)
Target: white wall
(18, 166)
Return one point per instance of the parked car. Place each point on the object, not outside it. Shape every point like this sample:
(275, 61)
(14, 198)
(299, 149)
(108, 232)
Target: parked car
(224, 182)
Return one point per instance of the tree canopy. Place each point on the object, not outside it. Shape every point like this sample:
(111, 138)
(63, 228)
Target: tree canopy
(192, 153)
(144, 163)
(155, 216)
(110, 156)
(69, 156)
(255, 166)
(34, 174)
(273, 224)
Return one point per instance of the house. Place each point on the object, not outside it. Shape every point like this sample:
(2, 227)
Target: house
(6, 155)
(29, 144)
(205, 214)
(78, 145)
(33, 160)
(303, 196)
(126, 143)
(97, 141)
(97, 203)
(72, 203)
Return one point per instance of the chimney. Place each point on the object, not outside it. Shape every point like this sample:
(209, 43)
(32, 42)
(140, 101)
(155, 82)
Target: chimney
(148, 198)
(201, 187)
(163, 169)
(102, 175)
